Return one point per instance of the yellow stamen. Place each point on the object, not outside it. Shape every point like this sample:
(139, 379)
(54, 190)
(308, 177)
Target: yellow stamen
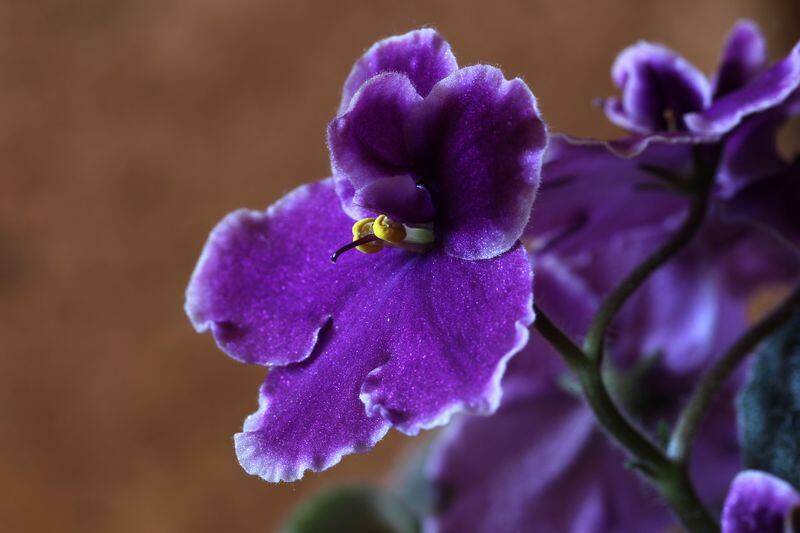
(363, 228)
(388, 230)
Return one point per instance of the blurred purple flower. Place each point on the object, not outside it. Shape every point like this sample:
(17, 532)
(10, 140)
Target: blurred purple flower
(450, 159)
(540, 463)
(666, 100)
(759, 502)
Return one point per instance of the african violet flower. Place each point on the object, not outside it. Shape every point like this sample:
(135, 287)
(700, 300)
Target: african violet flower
(540, 463)
(759, 502)
(665, 99)
(438, 167)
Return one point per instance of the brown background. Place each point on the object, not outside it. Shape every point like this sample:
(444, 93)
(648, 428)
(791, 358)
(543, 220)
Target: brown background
(127, 129)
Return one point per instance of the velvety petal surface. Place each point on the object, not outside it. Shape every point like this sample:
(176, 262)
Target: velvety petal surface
(758, 503)
(368, 145)
(481, 140)
(421, 55)
(654, 80)
(415, 336)
(768, 90)
(743, 57)
(450, 330)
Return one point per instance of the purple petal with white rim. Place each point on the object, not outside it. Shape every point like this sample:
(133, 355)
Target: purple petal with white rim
(449, 337)
(769, 89)
(421, 55)
(758, 502)
(481, 140)
(309, 413)
(654, 80)
(368, 141)
(743, 58)
(417, 336)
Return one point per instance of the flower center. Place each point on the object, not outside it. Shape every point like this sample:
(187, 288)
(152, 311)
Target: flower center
(370, 235)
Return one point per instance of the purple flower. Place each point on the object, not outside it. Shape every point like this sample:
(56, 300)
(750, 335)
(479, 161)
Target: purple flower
(439, 166)
(760, 503)
(661, 91)
(540, 463)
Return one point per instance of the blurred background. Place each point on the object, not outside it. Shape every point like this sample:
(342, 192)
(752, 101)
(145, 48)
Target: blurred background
(127, 130)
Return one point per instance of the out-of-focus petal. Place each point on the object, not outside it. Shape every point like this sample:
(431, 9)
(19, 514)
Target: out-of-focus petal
(590, 194)
(768, 90)
(743, 58)
(421, 55)
(654, 80)
(758, 503)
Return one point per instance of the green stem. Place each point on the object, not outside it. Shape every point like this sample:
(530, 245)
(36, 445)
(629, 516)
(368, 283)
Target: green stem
(595, 337)
(670, 478)
(692, 415)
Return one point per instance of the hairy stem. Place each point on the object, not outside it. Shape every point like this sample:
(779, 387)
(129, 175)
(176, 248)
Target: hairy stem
(669, 477)
(680, 444)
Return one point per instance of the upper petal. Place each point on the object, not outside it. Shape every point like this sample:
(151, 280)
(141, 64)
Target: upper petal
(653, 80)
(421, 55)
(480, 139)
(744, 57)
(767, 90)
(369, 151)
(449, 334)
(758, 503)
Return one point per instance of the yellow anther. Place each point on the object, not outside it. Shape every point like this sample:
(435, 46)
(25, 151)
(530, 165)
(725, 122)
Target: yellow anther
(362, 228)
(388, 230)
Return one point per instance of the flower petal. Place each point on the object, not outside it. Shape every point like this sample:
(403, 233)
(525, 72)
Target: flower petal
(427, 334)
(421, 55)
(369, 138)
(758, 503)
(589, 193)
(653, 80)
(743, 58)
(539, 463)
(309, 414)
(448, 336)
(399, 197)
(262, 282)
(768, 90)
(750, 153)
(482, 140)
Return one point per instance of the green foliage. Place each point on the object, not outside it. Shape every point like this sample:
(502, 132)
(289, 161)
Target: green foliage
(353, 509)
(769, 407)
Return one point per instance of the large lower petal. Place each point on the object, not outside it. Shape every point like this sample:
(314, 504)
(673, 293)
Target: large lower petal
(448, 333)
(421, 55)
(768, 90)
(758, 503)
(266, 288)
(481, 140)
(744, 56)
(654, 80)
